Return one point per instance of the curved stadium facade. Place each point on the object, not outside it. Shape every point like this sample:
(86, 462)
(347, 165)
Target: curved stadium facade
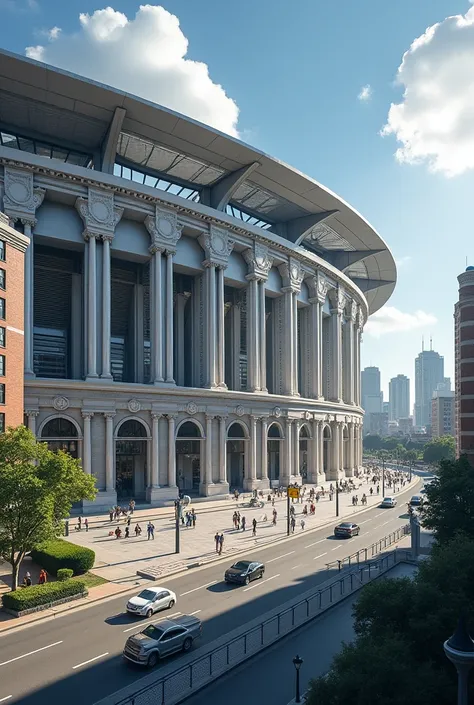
(193, 307)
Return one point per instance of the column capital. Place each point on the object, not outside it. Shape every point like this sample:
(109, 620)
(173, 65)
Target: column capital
(337, 298)
(87, 415)
(360, 320)
(223, 417)
(171, 417)
(109, 414)
(31, 413)
(217, 246)
(156, 416)
(21, 199)
(209, 417)
(99, 213)
(164, 230)
(259, 261)
(292, 275)
(254, 418)
(318, 287)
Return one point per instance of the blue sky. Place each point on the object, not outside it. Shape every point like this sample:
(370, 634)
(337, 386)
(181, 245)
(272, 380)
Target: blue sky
(295, 71)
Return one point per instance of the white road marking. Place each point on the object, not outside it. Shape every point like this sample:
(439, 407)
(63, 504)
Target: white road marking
(314, 544)
(297, 566)
(278, 557)
(320, 556)
(336, 547)
(84, 663)
(198, 588)
(191, 614)
(30, 653)
(138, 625)
(6, 698)
(385, 523)
(260, 582)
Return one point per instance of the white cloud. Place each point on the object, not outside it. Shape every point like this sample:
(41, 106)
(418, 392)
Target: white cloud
(365, 93)
(435, 120)
(145, 56)
(53, 33)
(406, 259)
(391, 320)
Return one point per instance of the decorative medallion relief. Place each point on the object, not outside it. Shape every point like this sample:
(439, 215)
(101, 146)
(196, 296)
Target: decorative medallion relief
(191, 408)
(99, 213)
(21, 199)
(164, 230)
(292, 274)
(259, 261)
(276, 411)
(61, 403)
(134, 406)
(239, 410)
(217, 246)
(338, 299)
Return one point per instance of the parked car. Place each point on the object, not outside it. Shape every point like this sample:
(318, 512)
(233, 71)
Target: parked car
(388, 502)
(151, 600)
(346, 530)
(162, 639)
(243, 572)
(416, 500)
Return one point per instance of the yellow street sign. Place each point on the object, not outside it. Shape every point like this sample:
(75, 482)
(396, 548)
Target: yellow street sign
(293, 492)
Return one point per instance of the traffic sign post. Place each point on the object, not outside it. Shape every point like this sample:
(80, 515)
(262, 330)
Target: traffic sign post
(293, 492)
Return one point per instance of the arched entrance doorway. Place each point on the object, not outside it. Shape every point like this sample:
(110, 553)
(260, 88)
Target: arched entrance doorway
(326, 449)
(188, 457)
(236, 437)
(303, 455)
(274, 438)
(61, 434)
(131, 460)
(345, 450)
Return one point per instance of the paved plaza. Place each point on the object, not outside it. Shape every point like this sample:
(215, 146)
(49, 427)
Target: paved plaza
(119, 560)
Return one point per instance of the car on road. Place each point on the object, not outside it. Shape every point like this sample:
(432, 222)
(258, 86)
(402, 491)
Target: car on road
(416, 500)
(389, 502)
(243, 572)
(346, 530)
(162, 639)
(151, 600)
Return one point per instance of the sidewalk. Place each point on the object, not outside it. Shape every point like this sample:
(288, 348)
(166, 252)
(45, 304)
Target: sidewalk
(120, 560)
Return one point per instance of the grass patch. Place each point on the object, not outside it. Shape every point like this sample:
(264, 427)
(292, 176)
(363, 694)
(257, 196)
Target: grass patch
(90, 580)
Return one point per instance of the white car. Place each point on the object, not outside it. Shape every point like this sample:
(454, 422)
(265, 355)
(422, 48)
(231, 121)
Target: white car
(388, 502)
(151, 600)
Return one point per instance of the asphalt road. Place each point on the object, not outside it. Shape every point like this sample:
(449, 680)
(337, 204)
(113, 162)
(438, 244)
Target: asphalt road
(76, 658)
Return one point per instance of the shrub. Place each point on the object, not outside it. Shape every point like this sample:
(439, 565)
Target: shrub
(64, 574)
(37, 595)
(56, 554)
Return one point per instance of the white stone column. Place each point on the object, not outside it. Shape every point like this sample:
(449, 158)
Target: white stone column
(262, 329)
(171, 451)
(29, 298)
(350, 464)
(351, 361)
(316, 348)
(106, 307)
(321, 448)
(289, 351)
(91, 305)
(211, 325)
(335, 451)
(220, 329)
(155, 451)
(208, 451)
(337, 308)
(222, 450)
(169, 318)
(313, 455)
(156, 323)
(252, 472)
(32, 416)
(296, 356)
(87, 449)
(109, 452)
(264, 451)
(296, 448)
(289, 451)
(253, 336)
(181, 301)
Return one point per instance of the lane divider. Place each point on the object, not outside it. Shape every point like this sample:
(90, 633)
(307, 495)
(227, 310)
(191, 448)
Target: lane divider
(261, 582)
(278, 557)
(139, 625)
(30, 653)
(7, 697)
(91, 660)
(201, 587)
(314, 544)
(191, 614)
(320, 556)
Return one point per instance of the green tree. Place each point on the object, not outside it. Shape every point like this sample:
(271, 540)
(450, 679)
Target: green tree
(442, 448)
(37, 490)
(372, 442)
(450, 506)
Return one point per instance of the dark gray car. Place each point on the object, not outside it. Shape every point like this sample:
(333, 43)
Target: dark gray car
(243, 572)
(162, 639)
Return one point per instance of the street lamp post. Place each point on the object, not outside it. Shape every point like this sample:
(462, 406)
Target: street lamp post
(337, 498)
(460, 651)
(383, 476)
(177, 511)
(297, 662)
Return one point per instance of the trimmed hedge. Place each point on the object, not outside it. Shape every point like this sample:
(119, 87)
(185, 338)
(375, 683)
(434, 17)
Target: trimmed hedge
(64, 574)
(56, 554)
(37, 595)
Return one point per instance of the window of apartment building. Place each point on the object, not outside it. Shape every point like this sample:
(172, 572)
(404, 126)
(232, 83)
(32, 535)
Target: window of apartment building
(2, 365)
(2, 423)
(2, 394)
(3, 336)
(3, 251)
(3, 279)
(3, 308)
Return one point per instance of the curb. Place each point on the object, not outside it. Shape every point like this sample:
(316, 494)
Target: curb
(200, 565)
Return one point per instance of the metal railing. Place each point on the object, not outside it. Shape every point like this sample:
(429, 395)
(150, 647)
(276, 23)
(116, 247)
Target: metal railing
(365, 554)
(174, 687)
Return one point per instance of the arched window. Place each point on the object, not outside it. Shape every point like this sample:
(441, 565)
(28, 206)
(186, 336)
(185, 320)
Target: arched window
(59, 428)
(189, 430)
(304, 432)
(274, 431)
(132, 429)
(235, 431)
(327, 433)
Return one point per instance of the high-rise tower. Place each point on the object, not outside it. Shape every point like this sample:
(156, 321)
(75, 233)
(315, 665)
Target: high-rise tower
(429, 372)
(464, 365)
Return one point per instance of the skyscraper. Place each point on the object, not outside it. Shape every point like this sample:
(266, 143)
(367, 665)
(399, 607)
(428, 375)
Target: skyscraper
(429, 372)
(464, 367)
(372, 398)
(399, 397)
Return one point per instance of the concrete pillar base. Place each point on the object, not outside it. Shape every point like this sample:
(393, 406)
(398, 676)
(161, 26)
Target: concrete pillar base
(213, 489)
(102, 503)
(264, 484)
(251, 484)
(161, 495)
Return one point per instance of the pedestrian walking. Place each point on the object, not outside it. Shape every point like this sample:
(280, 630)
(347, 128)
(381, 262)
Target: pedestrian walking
(129, 521)
(42, 579)
(86, 524)
(302, 522)
(27, 580)
(293, 524)
(242, 521)
(111, 514)
(79, 523)
(127, 532)
(274, 520)
(378, 489)
(217, 540)
(193, 518)
(254, 527)
(138, 529)
(221, 543)
(131, 506)
(150, 529)
(118, 532)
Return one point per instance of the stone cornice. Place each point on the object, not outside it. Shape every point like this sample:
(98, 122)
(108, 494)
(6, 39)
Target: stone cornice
(78, 179)
(12, 236)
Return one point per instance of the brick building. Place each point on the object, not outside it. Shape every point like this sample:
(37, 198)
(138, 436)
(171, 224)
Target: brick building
(464, 365)
(12, 255)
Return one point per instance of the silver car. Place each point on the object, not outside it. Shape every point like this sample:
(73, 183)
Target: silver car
(162, 639)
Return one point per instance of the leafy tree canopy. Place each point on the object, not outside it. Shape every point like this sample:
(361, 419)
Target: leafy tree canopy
(440, 449)
(37, 490)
